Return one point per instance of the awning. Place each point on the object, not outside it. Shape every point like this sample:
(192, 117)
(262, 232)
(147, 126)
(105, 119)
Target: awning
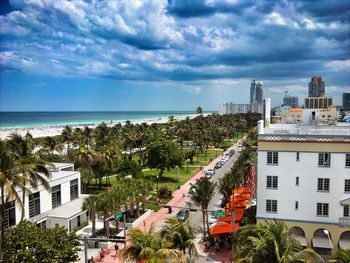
(222, 228)
(344, 244)
(239, 213)
(301, 239)
(241, 190)
(321, 242)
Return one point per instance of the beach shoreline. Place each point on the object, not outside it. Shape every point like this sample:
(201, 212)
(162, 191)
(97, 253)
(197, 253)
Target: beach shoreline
(54, 130)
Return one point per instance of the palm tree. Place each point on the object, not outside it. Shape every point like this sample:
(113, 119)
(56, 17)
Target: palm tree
(201, 194)
(199, 110)
(181, 235)
(105, 205)
(340, 256)
(145, 189)
(270, 242)
(90, 205)
(149, 247)
(67, 137)
(33, 170)
(9, 181)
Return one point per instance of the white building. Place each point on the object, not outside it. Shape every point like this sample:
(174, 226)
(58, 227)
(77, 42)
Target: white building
(233, 108)
(304, 180)
(60, 207)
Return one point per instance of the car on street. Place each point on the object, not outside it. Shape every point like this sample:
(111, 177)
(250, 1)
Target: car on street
(225, 159)
(183, 214)
(212, 171)
(209, 174)
(218, 165)
(232, 153)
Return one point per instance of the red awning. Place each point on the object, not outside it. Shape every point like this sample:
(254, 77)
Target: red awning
(222, 228)
(241, 190)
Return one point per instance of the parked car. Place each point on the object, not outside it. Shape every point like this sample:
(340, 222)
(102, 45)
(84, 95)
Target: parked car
(218, 165)
(232, 153)
(212, 171)
(183, 214)
(209, 174)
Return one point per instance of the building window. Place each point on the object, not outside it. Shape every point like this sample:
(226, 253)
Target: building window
(347, 160)
(34, 204)
(298, 156)
(272, 182)
(56, 196)
(272, 157)
(346, 211)
(297, 181)
(78, 221)
(347, 185)
(271, 206)
(41, 224)
(296, 205)
(324, 159)
(74, 194)
(9, 214)
(322, 209)
(323, 184)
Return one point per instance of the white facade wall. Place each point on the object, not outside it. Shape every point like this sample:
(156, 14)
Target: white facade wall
(306, 193)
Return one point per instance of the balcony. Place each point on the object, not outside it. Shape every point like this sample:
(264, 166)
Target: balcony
(344, 221)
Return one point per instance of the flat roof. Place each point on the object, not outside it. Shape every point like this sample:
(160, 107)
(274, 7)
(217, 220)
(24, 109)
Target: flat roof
(62, 165)
(341, 128)
(69, 209)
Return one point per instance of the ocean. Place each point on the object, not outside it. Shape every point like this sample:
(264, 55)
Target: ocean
(46, 119)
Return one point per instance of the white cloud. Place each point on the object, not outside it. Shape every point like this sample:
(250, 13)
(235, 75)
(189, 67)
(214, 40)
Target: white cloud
(274, 19)
(192, 89)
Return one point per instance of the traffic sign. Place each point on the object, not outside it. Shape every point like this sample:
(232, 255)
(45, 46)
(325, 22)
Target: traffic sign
(118, 216)
(217, 213)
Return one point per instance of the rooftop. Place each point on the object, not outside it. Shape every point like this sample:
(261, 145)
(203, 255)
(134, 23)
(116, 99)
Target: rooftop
(69, 209)
(280, 128)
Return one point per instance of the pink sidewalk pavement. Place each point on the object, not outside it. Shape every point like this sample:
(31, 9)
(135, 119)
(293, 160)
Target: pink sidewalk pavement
(156, 219)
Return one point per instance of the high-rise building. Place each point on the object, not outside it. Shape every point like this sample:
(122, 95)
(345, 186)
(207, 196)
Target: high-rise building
(317, 87)
(233, 108)
(256, 91)
(303, 180)
(318, 102)
(346, 101)
(291, 101)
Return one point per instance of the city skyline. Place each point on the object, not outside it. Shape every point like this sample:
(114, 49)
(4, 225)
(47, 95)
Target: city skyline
(167, 55)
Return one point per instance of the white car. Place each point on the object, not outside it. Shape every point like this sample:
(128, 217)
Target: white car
(211, 220)
(209, 174)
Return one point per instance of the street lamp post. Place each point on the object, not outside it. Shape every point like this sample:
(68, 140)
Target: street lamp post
(329, 239)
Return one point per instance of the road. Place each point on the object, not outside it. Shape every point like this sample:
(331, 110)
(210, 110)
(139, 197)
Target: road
(196, 217)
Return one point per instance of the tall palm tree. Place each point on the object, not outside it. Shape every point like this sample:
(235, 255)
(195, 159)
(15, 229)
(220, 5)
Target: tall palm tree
(199, 110)
(201, 194)
(68, 137)
(105, 205)
(9, 181)
(340, 256)
(90, 205)
(149, 247)
(33, 171)
(181, 235)
(270, 242)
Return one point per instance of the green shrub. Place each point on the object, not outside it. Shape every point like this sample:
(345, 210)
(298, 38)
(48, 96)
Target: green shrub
(165, 192)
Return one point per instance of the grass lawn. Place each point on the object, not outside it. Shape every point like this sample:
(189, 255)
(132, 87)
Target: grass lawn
(170, 178)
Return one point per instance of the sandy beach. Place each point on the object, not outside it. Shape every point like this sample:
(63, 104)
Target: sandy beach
(43, 131)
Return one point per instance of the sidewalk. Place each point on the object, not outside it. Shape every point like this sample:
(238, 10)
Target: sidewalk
(158, 218)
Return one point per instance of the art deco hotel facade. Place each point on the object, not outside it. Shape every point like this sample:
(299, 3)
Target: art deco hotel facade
(304, 180)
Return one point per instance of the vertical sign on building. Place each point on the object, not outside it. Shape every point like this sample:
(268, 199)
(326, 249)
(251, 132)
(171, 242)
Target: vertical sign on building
(252, 180)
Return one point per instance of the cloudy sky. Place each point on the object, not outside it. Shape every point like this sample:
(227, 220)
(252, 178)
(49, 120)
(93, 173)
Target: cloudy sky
(167, 55)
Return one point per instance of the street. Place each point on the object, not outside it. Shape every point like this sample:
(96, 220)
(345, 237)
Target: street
(196, 217)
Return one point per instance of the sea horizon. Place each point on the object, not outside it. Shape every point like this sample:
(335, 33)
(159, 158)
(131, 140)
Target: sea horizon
(33, 119)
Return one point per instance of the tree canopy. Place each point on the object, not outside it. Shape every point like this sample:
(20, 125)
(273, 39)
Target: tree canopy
(31, 244)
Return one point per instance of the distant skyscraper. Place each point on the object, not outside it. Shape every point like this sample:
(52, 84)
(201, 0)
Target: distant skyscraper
(256, 91)
(346, 101)
(291, 101)
(316, 87)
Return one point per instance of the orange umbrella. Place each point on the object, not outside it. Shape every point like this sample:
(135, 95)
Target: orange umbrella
(222, 228)
(239, 213)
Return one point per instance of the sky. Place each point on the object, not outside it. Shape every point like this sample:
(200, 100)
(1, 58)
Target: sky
(58, 55)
